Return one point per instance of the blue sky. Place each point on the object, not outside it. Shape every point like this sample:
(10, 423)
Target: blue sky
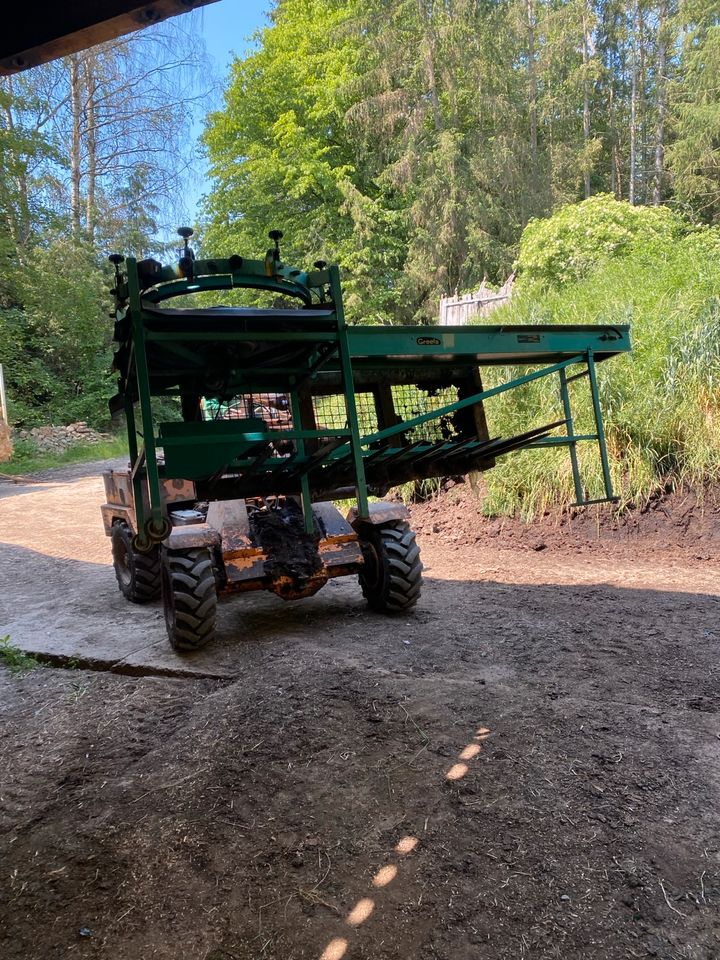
(228, 25)
(227, 28)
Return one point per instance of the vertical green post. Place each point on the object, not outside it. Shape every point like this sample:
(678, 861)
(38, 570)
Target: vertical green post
(143, 383)
(134, 452)
(304, 478)
(599, 427)
(349, 389)
(570, 430)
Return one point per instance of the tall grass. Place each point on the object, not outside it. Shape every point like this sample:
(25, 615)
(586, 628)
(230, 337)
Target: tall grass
(661, 403)
(27, 458)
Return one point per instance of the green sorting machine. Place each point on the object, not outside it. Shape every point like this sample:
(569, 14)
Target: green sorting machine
(247, 425)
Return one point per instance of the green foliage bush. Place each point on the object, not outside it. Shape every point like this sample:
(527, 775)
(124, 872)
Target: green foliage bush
(14, 658)
(56, 337)
(580, 236)
(661, 402)
(24, 452)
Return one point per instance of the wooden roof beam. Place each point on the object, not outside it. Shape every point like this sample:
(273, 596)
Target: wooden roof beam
(49, 30)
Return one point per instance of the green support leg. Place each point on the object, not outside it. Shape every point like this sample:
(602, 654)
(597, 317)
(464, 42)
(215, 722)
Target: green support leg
(304, 479)
(156, 527)
(135, 473)
(570, 429)
(350, 404)
(600, 429)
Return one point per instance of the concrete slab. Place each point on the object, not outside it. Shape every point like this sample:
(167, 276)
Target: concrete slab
(60, 599)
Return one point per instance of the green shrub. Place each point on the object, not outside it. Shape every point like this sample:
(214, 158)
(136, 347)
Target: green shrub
(661, 403)
(14, 658)
(56, 347)
(25, 452)
(580, 236)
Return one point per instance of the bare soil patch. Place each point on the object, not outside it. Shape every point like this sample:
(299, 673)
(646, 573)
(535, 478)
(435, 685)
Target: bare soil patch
(684, 522)
(527, 766)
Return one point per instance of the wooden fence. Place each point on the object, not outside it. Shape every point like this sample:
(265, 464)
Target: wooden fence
(481, 303)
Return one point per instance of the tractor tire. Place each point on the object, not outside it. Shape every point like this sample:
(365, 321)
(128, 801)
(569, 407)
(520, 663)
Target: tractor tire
(138, 574)
(189, 593)
(391, 577)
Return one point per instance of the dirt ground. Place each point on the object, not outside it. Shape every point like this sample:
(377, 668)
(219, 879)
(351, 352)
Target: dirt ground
(528, 766)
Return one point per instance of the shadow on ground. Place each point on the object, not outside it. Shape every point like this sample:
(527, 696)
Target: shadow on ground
(511, 771)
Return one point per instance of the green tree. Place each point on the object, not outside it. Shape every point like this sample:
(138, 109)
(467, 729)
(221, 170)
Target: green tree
(286, 160)
(56, 349)
(694, 157)
(91, 156)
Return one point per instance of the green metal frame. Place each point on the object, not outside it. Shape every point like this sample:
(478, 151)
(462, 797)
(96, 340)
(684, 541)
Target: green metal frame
(170, 353)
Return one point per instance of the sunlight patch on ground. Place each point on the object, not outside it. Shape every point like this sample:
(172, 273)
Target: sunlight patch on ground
(406, 844)
(335, 949)
(457, 771)
(360, 912)
(63, 523)
(385, 875)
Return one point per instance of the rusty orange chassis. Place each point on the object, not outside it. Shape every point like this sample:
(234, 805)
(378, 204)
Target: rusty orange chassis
(227, 531)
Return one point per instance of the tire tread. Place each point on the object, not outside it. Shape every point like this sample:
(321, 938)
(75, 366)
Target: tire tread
(190, 579)
(144, 585)
(398, 582)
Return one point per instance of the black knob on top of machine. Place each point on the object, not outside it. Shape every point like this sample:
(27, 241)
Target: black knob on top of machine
(116, 259)
(186, 260)
(320, 264)
(272, 257)
(276, 236)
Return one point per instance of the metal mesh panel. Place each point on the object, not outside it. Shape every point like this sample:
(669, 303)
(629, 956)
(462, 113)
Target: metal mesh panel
(330, 412)
(273, 408)
(411, 402)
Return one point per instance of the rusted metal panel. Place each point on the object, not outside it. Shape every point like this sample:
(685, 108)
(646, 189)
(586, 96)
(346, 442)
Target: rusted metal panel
(341, 552)
(245, 569)
(119, 489)
(230, 518)
(112, 512)
(382, 512)
(177, 491)
(191, 536)
(287, 588)
(244, 557)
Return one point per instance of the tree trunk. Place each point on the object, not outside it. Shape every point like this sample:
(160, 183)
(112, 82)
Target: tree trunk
(633, 104)
(430, 66)
(75, 147)
(17, 215)
(532, 94)
(641, 151)
(661, 105)
(586, 96)
(91, 146)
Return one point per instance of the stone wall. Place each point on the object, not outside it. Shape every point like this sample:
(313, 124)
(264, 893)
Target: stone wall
(58, 439)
